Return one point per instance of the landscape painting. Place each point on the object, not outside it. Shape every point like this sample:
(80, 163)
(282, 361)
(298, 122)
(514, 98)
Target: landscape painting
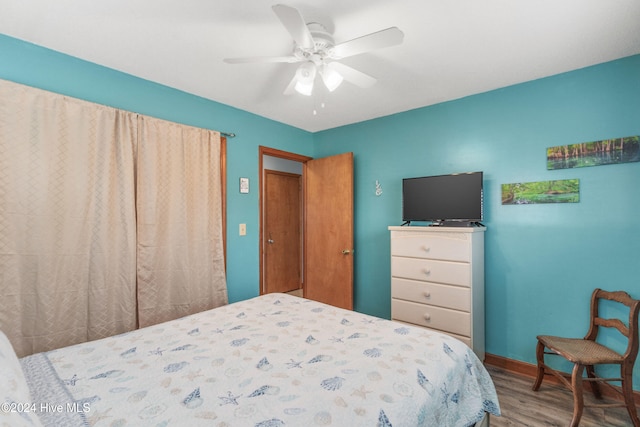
(605, 152)
(526, 193)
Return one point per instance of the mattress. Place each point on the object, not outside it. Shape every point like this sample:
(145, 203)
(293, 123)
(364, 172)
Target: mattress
(275, 360)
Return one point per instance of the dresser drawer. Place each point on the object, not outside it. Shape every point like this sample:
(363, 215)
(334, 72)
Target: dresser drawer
(455, 297)
(444, 319)
(452, 247)
(454, 273)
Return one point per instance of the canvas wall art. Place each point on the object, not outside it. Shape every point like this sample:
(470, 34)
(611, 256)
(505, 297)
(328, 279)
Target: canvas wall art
(526, 193)
(597, 153)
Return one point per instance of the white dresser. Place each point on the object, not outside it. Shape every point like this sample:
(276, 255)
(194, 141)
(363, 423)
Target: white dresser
(437, 280)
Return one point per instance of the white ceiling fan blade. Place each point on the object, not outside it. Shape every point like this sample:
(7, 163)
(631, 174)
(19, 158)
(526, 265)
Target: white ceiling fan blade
(295, 25)
(352, 75)
(290, 89)
(249, 59)
(378, 40)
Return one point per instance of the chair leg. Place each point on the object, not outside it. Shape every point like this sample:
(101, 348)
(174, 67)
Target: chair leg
(578, 399)
(540, 370)
(595, 387)
(627, 390)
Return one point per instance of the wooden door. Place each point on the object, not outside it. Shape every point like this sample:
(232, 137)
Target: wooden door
(282, 234)
(328, 230)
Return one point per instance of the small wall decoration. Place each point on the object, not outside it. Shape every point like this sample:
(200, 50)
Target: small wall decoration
(244, 185)
(524, 193)
(605, 152)
(378, 188)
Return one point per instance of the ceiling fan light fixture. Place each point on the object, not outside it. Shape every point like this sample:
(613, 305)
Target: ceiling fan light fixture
(304, 88)
(316, 50)
(331, 78)
(305, 75)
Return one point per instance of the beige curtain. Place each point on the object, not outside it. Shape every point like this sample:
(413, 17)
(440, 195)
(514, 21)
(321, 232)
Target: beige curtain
(77, 261)
(180, 252)
(67, 219)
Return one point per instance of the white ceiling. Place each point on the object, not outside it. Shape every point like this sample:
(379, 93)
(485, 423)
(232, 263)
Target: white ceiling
(451, 48)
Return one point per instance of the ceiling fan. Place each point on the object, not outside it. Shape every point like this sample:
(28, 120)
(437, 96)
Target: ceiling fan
(315, 49)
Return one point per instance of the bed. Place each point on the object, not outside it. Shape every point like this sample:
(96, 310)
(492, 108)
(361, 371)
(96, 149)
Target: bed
(271, 361)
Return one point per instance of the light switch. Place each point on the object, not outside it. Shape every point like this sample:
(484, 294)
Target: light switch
(243, 229)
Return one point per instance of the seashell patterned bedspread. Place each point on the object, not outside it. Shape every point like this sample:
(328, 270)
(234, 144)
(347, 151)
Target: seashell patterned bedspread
(271, 361)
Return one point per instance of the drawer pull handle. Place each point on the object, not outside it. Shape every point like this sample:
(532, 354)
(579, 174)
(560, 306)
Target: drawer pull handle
(427, 272)
(427, 317)
(426, 248)
(427, 294)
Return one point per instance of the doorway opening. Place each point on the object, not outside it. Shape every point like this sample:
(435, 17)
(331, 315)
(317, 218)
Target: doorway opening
(313, 247)
(281, 221)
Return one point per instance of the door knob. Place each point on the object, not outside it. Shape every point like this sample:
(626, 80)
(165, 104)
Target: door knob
(347, 251)
(270, 241)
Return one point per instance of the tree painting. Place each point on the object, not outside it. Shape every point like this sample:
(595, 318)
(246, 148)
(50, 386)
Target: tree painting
(524, 193)
(605, 152)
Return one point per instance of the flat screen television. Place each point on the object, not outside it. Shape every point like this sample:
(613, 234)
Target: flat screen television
(454, 199)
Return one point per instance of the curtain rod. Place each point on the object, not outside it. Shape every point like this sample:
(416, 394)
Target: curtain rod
(228, 134)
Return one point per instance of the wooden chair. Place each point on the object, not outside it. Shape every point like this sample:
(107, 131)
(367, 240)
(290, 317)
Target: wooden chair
(586, 353)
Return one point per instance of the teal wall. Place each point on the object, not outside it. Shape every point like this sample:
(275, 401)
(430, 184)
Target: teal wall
(542, 261)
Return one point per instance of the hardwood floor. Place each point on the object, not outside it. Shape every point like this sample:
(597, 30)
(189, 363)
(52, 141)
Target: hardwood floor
(552, 405)
(296, 293)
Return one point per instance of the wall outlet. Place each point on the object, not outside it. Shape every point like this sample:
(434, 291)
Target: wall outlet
(243, 229)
